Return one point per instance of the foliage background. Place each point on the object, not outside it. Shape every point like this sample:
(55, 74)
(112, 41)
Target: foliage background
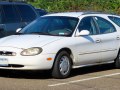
(109, 6)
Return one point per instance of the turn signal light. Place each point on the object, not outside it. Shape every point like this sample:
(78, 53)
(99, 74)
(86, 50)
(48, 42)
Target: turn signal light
(49, 59)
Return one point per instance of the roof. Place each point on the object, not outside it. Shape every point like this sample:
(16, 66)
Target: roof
(77, 14)
(5, 2)
(69, 14)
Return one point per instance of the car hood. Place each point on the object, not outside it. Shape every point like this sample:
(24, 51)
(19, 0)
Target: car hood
(27, 41)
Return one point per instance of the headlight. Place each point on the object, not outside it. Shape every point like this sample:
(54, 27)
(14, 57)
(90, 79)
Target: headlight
(31, 51)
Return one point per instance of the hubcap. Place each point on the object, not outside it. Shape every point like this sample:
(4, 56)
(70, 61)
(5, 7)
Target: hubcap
(64, 65)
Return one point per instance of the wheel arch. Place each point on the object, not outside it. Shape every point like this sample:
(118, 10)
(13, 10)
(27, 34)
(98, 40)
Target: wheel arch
(118, 52)
(117, 55)
(68, 50)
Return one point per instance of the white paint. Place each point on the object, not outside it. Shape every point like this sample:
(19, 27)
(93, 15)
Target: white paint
(85, 49)
(82, 80)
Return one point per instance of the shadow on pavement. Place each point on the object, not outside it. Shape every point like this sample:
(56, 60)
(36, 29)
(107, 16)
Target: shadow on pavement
(25, 74)
(91, 69)
(47, 74)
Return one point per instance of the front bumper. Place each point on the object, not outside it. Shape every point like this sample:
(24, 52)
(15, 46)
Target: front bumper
(18, 62)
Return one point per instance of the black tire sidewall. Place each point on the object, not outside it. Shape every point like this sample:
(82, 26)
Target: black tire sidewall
(56, 71)
(117, 61)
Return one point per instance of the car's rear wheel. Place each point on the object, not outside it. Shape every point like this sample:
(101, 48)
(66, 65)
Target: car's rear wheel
(117, 61)
(62, 65)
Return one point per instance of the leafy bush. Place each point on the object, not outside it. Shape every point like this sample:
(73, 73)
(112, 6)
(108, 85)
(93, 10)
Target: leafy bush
(111, 6)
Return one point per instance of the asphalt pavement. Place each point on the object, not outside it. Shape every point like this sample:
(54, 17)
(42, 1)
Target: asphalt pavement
(102, 77)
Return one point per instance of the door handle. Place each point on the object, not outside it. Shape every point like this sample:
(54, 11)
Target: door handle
(118, 38)
(98, 41)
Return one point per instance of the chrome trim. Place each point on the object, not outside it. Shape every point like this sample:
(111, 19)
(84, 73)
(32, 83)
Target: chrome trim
(85, 65)
(97, 52)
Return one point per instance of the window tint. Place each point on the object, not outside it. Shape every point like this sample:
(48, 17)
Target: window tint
(104, 26)
(59, 24)
(41, 12)
(87, 23)
(10, 14)
(0, 15)
(26, 13)
(116, 20)
(53, 25)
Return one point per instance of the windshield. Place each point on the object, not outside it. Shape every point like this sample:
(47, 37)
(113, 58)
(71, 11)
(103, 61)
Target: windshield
(52, 25)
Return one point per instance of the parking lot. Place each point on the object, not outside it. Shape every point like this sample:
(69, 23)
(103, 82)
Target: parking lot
(103, 77)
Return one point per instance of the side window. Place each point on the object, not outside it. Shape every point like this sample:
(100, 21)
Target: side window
(104, 26)
(26, 13)
(87, 23)
(10, 15)
(116, 20)
(0, 15)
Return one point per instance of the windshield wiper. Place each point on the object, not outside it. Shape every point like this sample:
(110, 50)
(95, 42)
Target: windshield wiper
(18, 33)
(39, 33)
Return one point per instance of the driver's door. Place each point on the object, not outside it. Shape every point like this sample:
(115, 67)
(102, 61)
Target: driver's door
(87, 47)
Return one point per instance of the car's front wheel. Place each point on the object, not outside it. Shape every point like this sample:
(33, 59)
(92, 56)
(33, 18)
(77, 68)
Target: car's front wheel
(62, 65)
(117, 61)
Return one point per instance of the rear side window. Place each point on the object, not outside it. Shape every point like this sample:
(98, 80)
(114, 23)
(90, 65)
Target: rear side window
(104, 26)
(116, 20)
(10, 14)
(26, 12)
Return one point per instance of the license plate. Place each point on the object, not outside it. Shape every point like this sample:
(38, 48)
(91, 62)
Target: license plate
(3, 62)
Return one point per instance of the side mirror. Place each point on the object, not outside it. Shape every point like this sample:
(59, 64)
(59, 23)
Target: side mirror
(83, 33)
(18, 30)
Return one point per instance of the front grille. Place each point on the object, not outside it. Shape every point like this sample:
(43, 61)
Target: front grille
(7, 53)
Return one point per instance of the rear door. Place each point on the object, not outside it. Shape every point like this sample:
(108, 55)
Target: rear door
(109, 39)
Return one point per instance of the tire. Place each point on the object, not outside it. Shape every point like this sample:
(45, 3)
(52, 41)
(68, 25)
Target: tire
(62, 66)
(117, 61)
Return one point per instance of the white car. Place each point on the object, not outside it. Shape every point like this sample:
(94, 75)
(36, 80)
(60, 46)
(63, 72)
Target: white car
(60, 42)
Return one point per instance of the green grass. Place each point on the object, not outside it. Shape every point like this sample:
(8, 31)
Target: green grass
(109, 6)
